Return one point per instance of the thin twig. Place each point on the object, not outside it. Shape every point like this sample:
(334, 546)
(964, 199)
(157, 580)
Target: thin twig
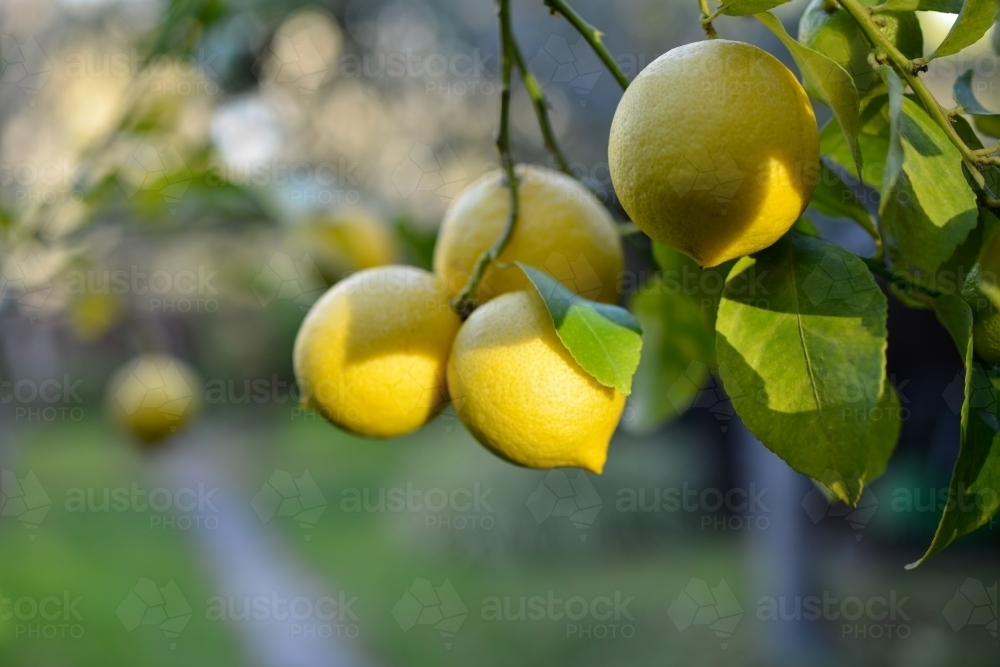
(466, 301)
(706, 19)
(541, 105)
(593, 37)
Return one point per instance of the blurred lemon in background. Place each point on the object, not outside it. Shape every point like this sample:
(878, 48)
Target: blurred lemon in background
(153, 396)
(346, 241)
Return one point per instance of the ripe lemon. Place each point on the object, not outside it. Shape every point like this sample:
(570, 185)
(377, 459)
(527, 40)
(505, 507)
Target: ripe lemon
(153, 396)
(827, 28)
(714, 150)
(347, 241)
(561, 228)
(370, 355)
(520, 393)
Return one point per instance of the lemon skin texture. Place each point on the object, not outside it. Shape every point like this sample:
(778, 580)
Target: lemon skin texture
(520, 393)
(153, 396)
(836, 35)
(561, 228)
(714, 150)
(371, 354)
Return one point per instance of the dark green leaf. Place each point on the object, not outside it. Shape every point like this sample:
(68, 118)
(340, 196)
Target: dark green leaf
(604, 339)
(748, 7)
(678, 351)
(804, 364)
(927, 207)
(965, 97)
(805, 226)
(972, 23)
(834, 198)
(975, 480)
(832, 81)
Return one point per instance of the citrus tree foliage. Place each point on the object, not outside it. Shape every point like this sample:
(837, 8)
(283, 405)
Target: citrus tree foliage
(797, 332)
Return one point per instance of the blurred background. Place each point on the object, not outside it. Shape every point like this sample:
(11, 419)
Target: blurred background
(188, 176)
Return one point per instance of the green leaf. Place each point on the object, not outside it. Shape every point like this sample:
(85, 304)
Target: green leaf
(948, 6)
(873, 141)
(829, 79)
(680, 273)
(972, 494)
(987, 122)
(972, 23)
(927, 207)
(748, 7)
(805, 365)
(678, 351)
(805, 226)
(966, 99)
(834, 198)
(604, 339)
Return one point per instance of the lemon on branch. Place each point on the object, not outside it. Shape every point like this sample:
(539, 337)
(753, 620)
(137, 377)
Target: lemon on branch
(714, 150)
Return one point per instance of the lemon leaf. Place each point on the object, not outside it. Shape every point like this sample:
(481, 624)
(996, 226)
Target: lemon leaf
(972, 494)
(605, 340)
(678, 351)
(827, 78)
(972, 23)
(927, 207)
(987, 122)
(803, 361)
(748, 7)
(834, 198)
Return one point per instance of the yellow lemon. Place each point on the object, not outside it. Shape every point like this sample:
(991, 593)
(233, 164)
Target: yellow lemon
(714, 150)
(370, 355)
(561, 228)
(347, 241)
(522, 395)
(153, 396)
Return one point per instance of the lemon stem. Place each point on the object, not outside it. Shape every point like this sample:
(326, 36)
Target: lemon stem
(707, 16)
(592, 36)
(540, 103)
(466, 301)
(909, 70)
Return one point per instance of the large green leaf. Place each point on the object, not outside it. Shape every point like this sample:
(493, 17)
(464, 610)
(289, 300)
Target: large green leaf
(826, 77)
(834, 198)
(972, 23)
(678, 350)
(975, 480)
(748, 7)
(927, 207)
(805, 366)
(605, 340)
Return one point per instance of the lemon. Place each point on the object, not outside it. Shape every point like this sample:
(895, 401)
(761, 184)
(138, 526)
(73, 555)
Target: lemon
(561, 228)
(520, 393)
(714, 150)
(347, 241)
(153, 396)
(370, 355)
(827, 28)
